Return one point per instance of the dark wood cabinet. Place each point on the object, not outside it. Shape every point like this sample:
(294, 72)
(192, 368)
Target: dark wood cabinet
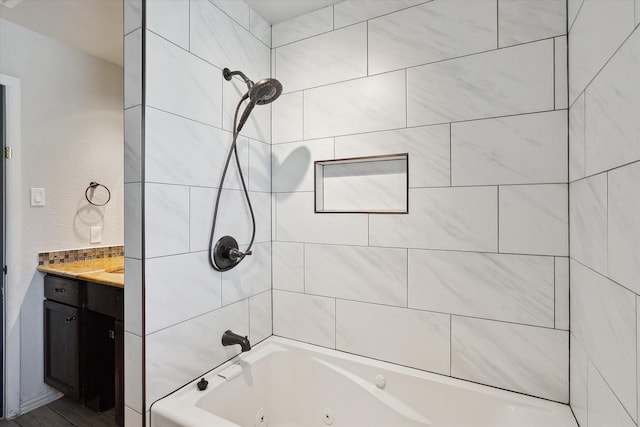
(84, 342)
(62, 343)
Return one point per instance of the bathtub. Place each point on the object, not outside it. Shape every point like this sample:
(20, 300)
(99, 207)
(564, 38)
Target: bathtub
(284, 383)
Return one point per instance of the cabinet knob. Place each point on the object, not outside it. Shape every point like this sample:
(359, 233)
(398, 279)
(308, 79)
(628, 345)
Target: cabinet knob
(58, 289)
(71, 319)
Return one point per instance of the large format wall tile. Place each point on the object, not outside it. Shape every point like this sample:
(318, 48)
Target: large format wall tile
(202, 151)
(353, 11)
(251, 277)
(260, 317)
(288, 266)
(293, 164)
(562, 293)
(603, 408)
(132, 69)
(534, 219)
(513, 288)
(181, 83)
(166, 220)
(578, 366)
(132, 144)
(132, 11)
(576, 140)
(305, 318)
(428, 148)
(409, 337)
(286, 118)
(526, 149)
(133, 220)
(133, 301)
(561, 72)
(296, 222)
(521, 358)
(596, 34)
(185, 351)
(362, 105)
(612, 110)
(603, 320)
(178, 288)
(521, 21)
(573, 6)
(224, 43)
(259, 177)
(308, 25)
(624, 226)
(260, 28)
(333, 57)
(462, 218)
(170, 19)
(133, 380)
(234, 218)
(431, 32)
(588, 221)
(500, 82)
(376, 275)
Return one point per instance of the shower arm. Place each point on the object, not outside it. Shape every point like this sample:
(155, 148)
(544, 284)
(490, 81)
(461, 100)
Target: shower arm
(228, 74)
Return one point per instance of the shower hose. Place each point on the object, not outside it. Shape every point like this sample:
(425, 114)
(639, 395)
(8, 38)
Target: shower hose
(233, 150)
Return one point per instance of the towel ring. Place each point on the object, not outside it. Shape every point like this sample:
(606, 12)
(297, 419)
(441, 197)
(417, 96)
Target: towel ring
(91, 188)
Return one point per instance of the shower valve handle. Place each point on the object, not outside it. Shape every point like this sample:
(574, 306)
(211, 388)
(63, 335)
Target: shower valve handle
(235, 254)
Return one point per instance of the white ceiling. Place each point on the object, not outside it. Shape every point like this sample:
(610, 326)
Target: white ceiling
(276, 11)
(95, 26)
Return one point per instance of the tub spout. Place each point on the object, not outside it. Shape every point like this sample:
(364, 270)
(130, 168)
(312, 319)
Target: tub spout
(229, 338)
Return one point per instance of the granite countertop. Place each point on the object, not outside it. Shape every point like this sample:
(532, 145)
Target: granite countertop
(108, 271)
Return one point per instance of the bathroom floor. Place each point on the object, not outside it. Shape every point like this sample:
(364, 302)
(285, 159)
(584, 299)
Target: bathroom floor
(63, 412)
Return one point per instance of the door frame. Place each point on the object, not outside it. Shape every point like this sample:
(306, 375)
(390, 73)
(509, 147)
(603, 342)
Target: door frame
(13, 173)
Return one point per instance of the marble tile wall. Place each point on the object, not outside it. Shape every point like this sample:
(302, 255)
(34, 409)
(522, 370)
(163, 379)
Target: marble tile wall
(476, 92)
(604, 210)
(178, 121)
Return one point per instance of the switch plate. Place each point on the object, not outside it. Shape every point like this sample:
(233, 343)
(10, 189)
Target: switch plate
(37, 197)
(96, 234)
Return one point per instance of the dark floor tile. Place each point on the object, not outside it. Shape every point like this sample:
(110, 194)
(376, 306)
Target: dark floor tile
(5, 423)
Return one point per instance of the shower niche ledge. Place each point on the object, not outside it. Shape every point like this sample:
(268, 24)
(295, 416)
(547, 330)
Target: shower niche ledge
(373, 184)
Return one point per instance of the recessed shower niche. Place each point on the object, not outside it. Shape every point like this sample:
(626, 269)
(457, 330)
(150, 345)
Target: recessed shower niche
(375, 184)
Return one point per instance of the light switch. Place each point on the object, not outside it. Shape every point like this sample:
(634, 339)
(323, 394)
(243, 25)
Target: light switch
(96, 234)
(37, 197)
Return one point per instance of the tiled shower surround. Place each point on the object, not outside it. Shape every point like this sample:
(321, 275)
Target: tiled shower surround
(472, 283)
(604, 172)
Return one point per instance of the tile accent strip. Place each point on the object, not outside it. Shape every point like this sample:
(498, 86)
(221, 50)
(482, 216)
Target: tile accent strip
(73, 255)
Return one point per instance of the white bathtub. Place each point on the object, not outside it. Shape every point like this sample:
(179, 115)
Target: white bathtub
(284, 383)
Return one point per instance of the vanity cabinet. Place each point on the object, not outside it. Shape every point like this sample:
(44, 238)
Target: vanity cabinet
(62, 340)
(84, 345)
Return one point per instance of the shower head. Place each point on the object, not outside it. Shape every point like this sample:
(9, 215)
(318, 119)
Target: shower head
(263, 92)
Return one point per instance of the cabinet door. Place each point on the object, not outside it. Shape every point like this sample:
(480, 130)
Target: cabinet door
(62, 334)
(99, 358)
